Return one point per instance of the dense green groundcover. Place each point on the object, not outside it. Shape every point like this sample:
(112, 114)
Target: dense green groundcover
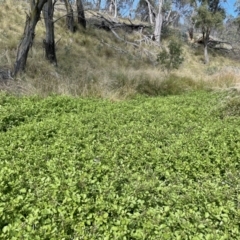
(147, 168)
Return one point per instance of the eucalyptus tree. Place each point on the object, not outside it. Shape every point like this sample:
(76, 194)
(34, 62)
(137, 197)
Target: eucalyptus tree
(237, 19)
(209, 15)
(98, 4)
(26, 42)
(115, 8)
(159, 21)
(49, 42)
(161, 13)
(32, 18)
(144, 10)
(237, 7)
(80, 13)
(70, 16)
(154, 12)
(151, 11)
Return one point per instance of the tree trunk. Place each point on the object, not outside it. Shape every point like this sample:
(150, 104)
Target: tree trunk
(111, 7)
(206, 34)
(81, 15)
(150, 12)
(98, 5)
(115, 8)
(206, 58)
(49, 42)
(28, 35)
(158, 22)
(70, 18)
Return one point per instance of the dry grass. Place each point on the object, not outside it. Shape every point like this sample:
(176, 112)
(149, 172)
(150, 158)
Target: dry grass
(94, 63)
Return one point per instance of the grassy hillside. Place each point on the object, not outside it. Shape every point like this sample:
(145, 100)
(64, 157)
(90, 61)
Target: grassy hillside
(146, 168)
(95, 63)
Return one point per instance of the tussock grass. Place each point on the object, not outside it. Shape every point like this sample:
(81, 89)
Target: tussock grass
(223, 81)
(93, 62)
(229, 104)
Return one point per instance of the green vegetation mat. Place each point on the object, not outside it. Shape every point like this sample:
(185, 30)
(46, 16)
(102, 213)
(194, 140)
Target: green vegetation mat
(147, 168)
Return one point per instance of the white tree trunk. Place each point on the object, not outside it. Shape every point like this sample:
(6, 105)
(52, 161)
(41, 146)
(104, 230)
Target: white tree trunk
(150, 12)
(206, 58)
(115, 7)
(206, 34)
(98, 5)
(158, 22)
(111, 7)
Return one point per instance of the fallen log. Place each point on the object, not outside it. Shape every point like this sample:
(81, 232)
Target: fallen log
(108, 24)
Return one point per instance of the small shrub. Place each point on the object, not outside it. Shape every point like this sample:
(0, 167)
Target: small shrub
(171, 59)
